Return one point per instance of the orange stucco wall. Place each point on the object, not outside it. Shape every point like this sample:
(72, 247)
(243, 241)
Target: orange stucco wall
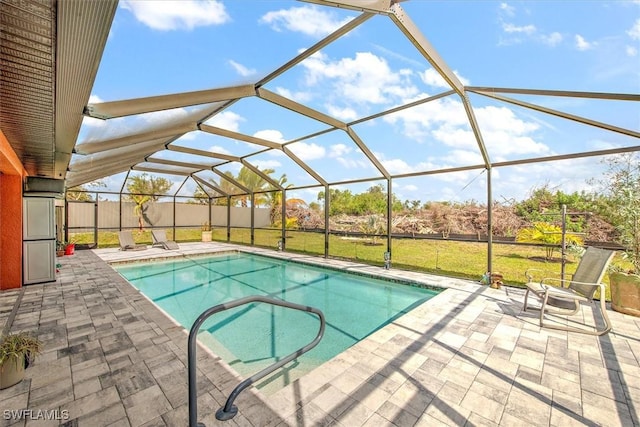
(11, 175)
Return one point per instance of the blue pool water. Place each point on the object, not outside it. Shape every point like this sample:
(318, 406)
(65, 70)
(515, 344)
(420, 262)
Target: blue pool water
(253, 336)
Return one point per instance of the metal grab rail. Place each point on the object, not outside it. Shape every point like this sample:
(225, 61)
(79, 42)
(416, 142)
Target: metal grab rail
(230, 410)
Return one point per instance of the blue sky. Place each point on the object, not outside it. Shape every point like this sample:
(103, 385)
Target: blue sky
(164, 47)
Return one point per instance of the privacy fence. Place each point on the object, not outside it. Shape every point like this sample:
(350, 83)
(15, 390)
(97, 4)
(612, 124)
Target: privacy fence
(95, 223)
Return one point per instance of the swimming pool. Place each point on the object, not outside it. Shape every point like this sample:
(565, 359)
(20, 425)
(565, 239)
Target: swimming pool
(254, 336)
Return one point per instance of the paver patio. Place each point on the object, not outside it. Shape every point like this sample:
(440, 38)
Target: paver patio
(469, 356)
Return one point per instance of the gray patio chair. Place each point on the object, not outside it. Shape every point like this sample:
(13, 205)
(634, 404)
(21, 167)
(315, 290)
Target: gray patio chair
(566, 298)
(127, 243)
(160, 239)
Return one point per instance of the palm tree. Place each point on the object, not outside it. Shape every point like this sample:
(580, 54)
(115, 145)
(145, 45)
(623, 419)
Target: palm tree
(255, 183)
(143, 190)
(275, 201)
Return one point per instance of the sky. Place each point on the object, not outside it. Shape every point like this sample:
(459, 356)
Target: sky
(166, 47)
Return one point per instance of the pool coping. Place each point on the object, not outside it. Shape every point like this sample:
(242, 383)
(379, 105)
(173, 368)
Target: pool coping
(470, 355)
(369, 274)
(288, 393)
(404, 282)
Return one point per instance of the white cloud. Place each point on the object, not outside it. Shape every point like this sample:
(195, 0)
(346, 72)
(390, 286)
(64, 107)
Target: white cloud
(408, 187)
(95, 99)
(299, 96)
(581, 43)
(353, 163)
(307, 150)
(433, 78)
(345, 114)
(506, 134)
(362, 79)
(189, 136)
(218, 149)
(270, 135)
(396, 166)
(569, 175)
(400, 166)
(226, 120)
(456, 137)
(631, 51)
(339, 150)
(634, 32)
(418, 122)
(396, 55)
(552, 39)
(525, 29)
(507, 9)
(177, 14)
(266, 164)
(276, 153)
(93, 123)
(502, 118)
(241, 69)
(310, 20)
(443, 123)
(464, 157)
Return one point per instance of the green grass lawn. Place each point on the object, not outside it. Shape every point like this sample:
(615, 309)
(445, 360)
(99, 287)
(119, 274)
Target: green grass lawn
(456, 259)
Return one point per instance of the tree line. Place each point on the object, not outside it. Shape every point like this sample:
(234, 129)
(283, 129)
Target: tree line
(601, 209)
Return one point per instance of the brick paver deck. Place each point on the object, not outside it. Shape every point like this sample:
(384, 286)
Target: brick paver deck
(469, 356)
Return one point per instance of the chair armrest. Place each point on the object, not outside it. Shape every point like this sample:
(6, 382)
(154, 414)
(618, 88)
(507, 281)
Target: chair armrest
(562, 282)
(528, 273)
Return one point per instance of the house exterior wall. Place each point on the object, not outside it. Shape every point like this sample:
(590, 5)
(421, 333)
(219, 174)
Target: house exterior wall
(12, 174)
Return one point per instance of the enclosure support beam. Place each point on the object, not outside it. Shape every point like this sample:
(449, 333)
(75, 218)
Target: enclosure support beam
(174, 218)
(228, 218)
(95, 221)
(389, 214)
(412, 32)
(315, 48)
(327, 201)
(128, 107)
(66, 220)
(489, 223)
(253, 219)
(563, 115)
(210, 214)
(283, 232)
(120, 199)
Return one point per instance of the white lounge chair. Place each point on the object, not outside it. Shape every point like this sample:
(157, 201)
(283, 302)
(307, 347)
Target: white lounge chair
(127, 243)
(160, 239)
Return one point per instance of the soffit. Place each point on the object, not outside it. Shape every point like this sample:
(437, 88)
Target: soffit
(49, 54)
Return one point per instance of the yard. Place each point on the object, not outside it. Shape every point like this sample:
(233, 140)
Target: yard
(449, 258)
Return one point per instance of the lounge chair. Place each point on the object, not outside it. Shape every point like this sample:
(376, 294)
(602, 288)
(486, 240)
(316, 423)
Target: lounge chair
(566, 299)
(127, 243)
(160, 239)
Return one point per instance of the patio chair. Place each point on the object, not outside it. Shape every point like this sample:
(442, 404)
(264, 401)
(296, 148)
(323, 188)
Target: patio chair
(566, 299)
(127, 243)
(160, 239)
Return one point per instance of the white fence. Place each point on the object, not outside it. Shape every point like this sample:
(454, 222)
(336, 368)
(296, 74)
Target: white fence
(161, 214)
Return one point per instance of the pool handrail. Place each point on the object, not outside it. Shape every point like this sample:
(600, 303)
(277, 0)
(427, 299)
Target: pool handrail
(230, 410)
